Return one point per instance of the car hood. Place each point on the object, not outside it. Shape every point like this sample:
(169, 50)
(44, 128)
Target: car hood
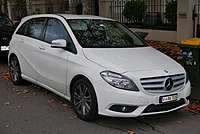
(130, 59)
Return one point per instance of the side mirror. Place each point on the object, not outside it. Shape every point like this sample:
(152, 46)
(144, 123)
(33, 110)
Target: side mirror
(142, 34)
(59, 43)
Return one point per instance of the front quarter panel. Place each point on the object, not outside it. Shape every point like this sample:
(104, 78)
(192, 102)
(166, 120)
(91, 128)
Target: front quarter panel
(79, 65)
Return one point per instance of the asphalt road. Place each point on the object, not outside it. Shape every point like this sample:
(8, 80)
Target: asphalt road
(29, 109)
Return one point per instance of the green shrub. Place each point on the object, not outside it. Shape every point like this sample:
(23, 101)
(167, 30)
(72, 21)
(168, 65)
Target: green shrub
(135, 10)
(171, 11)
(21, 9)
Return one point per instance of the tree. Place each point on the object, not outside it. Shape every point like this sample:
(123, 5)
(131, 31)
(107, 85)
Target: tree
(79, 8)
(135, 10)
(171, 11)
(86, 6)
(1, 3)
(21, 8)
(3, 6)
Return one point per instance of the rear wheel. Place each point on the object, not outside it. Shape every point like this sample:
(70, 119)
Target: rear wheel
(15, 71)
(84, 100)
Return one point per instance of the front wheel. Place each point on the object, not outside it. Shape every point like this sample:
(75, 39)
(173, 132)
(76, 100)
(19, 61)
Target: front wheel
(84, 100)
(15, 71)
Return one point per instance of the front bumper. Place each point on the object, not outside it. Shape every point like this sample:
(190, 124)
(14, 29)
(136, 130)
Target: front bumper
(143, 103)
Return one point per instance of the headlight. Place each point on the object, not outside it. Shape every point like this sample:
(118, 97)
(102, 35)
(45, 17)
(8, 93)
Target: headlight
(118, 80)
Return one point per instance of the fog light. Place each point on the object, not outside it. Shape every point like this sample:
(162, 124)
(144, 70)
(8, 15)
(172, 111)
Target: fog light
(123, 108)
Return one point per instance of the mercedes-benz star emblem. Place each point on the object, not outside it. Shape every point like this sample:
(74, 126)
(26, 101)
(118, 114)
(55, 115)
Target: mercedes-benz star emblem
(169, 84)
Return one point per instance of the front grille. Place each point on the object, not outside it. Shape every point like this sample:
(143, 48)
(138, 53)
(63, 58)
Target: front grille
(157, 84)
(164, 107)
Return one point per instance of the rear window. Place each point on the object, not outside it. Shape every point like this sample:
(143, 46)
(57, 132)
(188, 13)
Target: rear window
(5, 21)
(32, 28)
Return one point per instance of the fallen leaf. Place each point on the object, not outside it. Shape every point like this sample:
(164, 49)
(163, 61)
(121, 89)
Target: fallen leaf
(66, 105)
(17, 90)
(24, 96)
(7, 103)
(131, 131)
(178, 122)
(51, 100)
(18, 93)
(34, 93)
(5, 75)
(72, 117)
(192, 107)
(25, 91)
(45, 92)
(19, 107)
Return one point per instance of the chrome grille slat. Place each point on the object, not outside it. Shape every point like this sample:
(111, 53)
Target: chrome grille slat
(153, 86)
(153, 80)
(157, 84)
(177, 87)
(178, 77)
(178, 82)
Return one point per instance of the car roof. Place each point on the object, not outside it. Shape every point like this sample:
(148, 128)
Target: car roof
(73, 16)
(67, 16)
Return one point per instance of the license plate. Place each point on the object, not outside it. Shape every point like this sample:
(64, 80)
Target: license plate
(168, 98)
(4, 48)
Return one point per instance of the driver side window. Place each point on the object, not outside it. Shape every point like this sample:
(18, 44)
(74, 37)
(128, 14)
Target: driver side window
(55, 30)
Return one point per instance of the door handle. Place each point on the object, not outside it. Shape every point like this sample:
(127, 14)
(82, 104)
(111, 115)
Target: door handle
(42, 47)
(21, 41)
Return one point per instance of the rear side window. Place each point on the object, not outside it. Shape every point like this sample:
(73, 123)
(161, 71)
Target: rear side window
(22, 29)
(32, 28)
(5, 21)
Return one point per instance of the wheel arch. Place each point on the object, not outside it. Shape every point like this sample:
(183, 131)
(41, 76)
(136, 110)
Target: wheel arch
(95, 110)
(11, 56)
(76, 78)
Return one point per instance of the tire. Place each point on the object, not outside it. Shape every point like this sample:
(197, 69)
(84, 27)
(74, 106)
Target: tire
(84, 100)
(15, 71)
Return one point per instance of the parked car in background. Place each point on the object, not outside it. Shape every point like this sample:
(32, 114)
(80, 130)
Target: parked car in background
(98, 64)
(6, 30)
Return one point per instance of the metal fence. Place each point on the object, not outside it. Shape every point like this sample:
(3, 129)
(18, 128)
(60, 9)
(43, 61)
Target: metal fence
(148, 14)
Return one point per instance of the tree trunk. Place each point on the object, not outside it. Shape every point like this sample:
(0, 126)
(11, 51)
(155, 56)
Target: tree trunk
(1, 5)
(86, 6)
(4, 7)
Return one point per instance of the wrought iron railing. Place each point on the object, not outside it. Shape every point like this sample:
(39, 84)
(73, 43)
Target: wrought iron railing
(148, 14)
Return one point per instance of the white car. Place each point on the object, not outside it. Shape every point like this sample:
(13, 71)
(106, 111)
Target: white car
(98, 64)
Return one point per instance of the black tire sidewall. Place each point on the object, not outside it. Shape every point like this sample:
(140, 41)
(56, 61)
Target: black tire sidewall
(19, 79)
(94, 106)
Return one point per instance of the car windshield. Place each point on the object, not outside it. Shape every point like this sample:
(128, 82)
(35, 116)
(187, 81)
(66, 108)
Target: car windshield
(5, 21)
(95, 33)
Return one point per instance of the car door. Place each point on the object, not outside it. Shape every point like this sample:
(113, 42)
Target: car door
(52, 62)
(28, 37)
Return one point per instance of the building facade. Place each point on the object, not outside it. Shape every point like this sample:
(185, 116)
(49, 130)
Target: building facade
(185, 26)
